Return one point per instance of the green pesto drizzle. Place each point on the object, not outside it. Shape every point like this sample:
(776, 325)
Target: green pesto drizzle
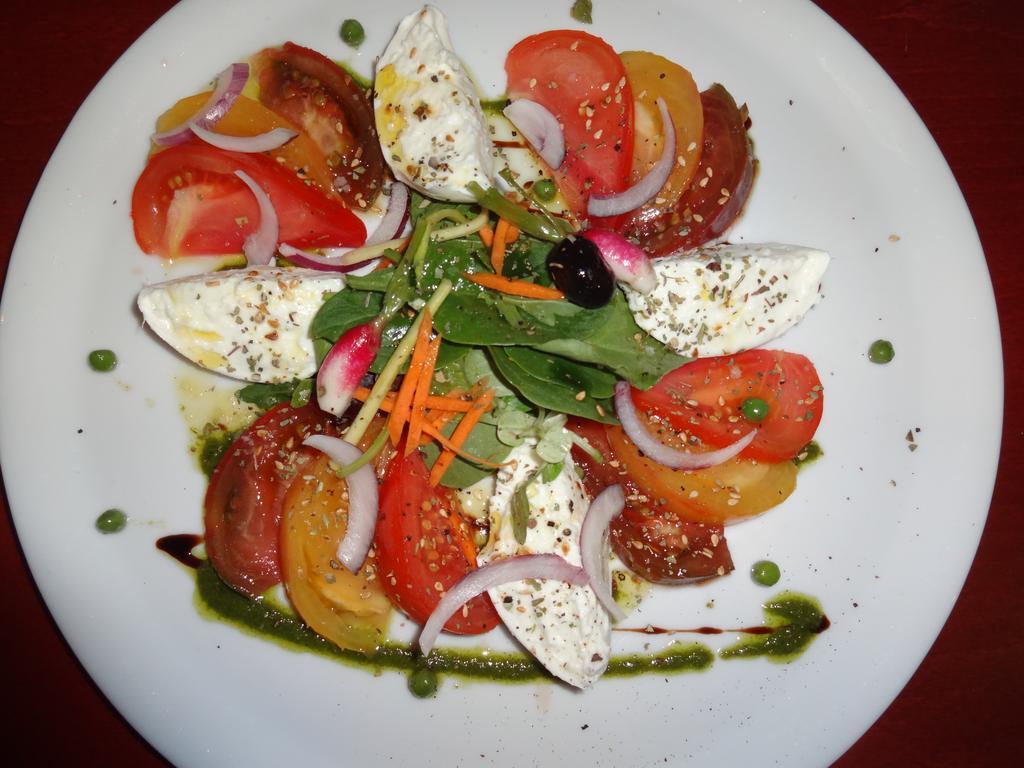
(809, 454)
(212, 445)
(796, 619)
(216, 600)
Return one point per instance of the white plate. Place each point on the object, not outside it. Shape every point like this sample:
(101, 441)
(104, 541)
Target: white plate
(882, 535)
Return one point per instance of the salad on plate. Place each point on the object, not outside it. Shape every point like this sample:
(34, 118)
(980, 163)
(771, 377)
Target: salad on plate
(500, 365)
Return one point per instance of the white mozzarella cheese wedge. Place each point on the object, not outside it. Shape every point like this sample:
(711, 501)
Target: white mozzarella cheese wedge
(431, 127)
(563, 626)
(250, 324)
(723, 299)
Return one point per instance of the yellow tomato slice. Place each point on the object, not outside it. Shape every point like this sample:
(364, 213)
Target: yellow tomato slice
(730, 492)
(350, 610)
(247, 117)
(652, 76)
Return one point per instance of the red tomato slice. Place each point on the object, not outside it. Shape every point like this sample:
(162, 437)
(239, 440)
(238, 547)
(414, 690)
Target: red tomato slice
(654, 541)
(702, 399)
(247, 117)
(704, 211)
(188, 201)
(581, 80)
(244, 500)
(320, 98)
(423, 547)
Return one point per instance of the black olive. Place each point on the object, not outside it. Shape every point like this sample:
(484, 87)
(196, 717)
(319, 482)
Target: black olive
(577, 269)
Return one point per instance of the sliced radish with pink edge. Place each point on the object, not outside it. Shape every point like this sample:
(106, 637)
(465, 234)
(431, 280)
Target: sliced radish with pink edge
(344, 367)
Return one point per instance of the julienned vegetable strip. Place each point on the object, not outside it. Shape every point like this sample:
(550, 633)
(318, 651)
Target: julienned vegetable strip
(447, 445)
(403, 400)
(506, 209)
(514, 287)
(394, 365)
(480, 407)
(368, 455)
(498, 247)
(419, 396)
(449, 402)
(475, 224)
(440, 416)
(367, 252)
(487, 235)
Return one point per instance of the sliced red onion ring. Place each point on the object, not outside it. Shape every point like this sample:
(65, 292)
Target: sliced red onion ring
(628, 262)
(608, 505)
(229, 86)
(310, 260)
(344, 367)
(260, 245)
(341, 259)
(657, 451)
(649, 185)
(261, 142)
(362, 499)
(540, 128)
(391, 225)
(548, 566)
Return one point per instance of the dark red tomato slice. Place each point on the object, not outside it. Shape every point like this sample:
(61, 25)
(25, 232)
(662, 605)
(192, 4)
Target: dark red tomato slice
(653, 541)
(719, 189)
(188, 202)
(244, 500)
(581, 80)
(328, 105)
(423, 547)
(702, 399)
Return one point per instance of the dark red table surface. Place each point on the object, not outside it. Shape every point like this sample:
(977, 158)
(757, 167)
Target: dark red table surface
(958, 61)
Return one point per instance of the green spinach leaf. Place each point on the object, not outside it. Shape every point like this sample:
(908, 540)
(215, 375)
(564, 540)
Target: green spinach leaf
(619, 345)
(552, 395)
(576, 376)
(266, 396)
(345, 310)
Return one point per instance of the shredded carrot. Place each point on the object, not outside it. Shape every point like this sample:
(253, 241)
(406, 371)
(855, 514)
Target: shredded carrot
(498, 246)
(449, 403)
(512, 234)
(480, 407)
(437, 420)
(419, 398)
(443, 417)
(486, 234)
(448, 446)
(403, 400)
(514, 287)
(440, 416)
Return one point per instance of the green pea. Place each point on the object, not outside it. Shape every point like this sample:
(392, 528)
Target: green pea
(881, 352)
(754, 409)
(583, 11)
(545, 190)
(352, 32)
(765, 572)
(102, 360)
(111, 521)
(423, 683)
